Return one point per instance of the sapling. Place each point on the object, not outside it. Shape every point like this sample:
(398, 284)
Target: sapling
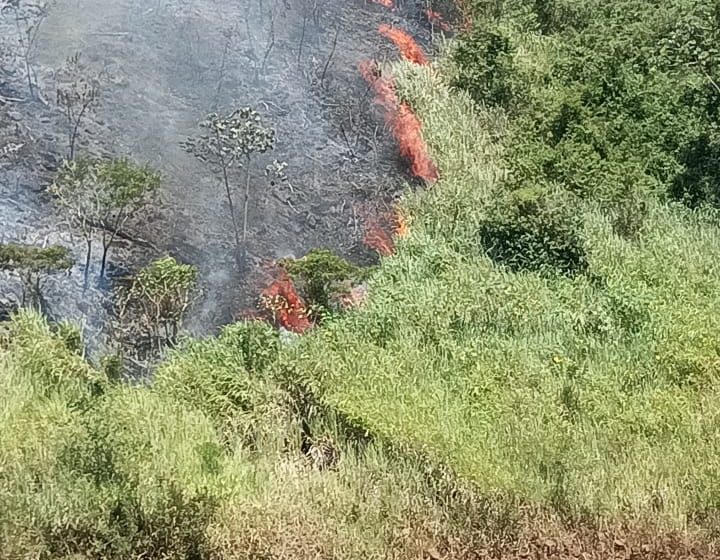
(230, 142)
(77, 93)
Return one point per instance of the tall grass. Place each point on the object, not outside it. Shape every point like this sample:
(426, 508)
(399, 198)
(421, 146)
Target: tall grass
(594, 395)
(207, 463)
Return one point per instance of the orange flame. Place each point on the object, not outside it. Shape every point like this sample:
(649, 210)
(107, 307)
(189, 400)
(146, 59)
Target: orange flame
(435, 18)
(286, 306)
(405, 125)
(381, 228)
(401, 225)
(408, 47)
(377, 238)
(386, 3)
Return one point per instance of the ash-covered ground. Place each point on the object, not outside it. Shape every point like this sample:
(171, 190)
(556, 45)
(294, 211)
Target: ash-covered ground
(164, 65)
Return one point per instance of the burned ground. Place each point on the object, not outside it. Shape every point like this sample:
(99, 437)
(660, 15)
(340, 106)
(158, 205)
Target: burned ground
(163, 66)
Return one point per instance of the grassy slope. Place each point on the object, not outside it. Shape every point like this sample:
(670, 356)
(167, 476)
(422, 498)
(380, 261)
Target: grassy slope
(594, 396)
(206, 464)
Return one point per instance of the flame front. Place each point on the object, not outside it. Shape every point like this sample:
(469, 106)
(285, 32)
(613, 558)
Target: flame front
(376, 237)
(286, 306)
(405, 125)
(401, 224)
(410, 50)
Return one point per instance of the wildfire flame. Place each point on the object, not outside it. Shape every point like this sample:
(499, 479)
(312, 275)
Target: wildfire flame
(286, 306)
(386, 3)
(381, 228)
(405, 125)
(410, 50)
(377, 238)
(435, 18)
(401, 225)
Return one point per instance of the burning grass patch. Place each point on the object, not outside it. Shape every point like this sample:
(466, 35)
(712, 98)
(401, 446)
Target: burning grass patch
(405, 125)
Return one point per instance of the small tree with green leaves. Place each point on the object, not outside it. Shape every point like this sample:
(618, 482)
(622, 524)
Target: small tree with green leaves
(31, 264)
(126, 188)
(229, 142)
(75, 190)
(153, 308)
(101, 196)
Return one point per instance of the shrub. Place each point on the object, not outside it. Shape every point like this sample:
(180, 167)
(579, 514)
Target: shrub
(697, 184)
(320, 275)
(533, 231)
(485, 69)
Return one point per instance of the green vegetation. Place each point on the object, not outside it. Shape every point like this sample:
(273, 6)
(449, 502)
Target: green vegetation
(153, 308)
(205, 464)
(540, 355)
(31, 264)
(592, 394)
(322, 276)
(100, 197)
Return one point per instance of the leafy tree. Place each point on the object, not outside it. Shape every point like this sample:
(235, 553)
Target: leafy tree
(227, 143)
(101, 196)
(75, 189)
(31, 264)
(127, 188)
(155, 305)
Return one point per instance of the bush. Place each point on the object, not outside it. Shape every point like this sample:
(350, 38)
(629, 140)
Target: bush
(532, 231)
(698, 183)
(485, 69)
(320, 275)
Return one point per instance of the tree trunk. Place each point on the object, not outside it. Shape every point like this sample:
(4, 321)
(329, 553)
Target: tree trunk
(228, 192)
(236, 229)
(74, 127)
(88, 256)
(107, 243)
(246, 206)
(31, 292)
(103, 263)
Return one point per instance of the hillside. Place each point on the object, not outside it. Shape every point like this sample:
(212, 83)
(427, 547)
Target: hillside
(534, 372)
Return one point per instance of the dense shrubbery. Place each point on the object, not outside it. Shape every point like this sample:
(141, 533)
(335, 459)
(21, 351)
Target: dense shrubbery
(485, 67)
(321, 276)
(535, 231)
(617, 96)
